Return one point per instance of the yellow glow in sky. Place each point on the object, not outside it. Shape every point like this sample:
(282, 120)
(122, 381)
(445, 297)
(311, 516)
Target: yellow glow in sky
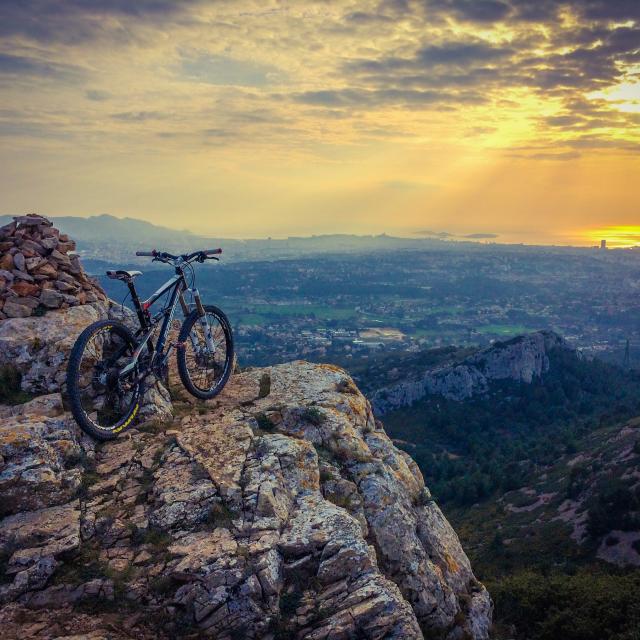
(623, 236)
(266, 118)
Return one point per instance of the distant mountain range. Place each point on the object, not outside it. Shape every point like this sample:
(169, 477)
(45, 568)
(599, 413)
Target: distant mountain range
(110, 228)
(106, 237)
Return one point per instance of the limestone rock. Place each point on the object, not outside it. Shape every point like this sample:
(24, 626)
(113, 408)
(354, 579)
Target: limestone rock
(308, 524)
(521, 359)
(49, 405)
(36, 462)
(38, 347)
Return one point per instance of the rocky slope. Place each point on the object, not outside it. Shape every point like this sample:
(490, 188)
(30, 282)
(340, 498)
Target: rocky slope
(520, 359)
(288, 515)
(583, 507)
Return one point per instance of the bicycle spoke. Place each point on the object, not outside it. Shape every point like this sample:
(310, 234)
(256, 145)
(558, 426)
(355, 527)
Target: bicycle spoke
(105, 399)
(206, 369)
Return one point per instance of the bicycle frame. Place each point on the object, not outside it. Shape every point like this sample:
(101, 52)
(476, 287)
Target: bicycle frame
(177, 285)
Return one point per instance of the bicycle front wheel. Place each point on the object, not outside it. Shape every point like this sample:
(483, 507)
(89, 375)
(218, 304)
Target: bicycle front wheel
(205, 352)
(102, 401)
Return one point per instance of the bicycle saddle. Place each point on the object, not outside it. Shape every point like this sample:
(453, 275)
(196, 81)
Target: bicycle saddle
(121, 274)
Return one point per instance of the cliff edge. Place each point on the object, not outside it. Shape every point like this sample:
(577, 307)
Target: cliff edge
(521, 359)
(287, 515)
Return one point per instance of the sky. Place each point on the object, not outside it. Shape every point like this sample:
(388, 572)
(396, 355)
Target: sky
(513, 120)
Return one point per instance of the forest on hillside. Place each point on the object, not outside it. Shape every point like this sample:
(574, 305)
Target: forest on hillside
(504, 466)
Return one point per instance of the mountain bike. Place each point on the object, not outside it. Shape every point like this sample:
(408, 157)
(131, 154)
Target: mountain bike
(109, 363)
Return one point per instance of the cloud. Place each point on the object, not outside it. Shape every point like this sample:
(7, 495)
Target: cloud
(97, 95)
(456, 53)
(221, 70)
(489, 11)
(363, 98)
(449, 54)
(363, 17)
(28, 129)
(77, 21)
(26, 66)
(138, 116)
(471, 10)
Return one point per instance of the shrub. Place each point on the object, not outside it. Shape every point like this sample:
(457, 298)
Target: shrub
(10, 391)
(346, 385)
(590, 605)
(612, 508)
(578, 480)
(162, 585)
(289, 602)
(265, 385)
(313, 415)
(158, 539)
(263, 421)
(220, 515)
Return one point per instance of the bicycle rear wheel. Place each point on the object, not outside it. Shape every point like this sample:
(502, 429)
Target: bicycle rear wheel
(102, 402)
(205, 352)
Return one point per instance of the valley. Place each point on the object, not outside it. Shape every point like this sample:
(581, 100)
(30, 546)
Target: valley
(541, 481)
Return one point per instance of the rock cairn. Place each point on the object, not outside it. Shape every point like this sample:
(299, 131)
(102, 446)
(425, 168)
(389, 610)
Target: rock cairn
(39, 271)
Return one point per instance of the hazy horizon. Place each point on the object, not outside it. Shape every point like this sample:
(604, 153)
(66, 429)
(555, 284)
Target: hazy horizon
(436, 235)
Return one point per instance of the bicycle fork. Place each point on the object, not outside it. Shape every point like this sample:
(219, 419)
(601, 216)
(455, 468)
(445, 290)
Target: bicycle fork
(206, 329)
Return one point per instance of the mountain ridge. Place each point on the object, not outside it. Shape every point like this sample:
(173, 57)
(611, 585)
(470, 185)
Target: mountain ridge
(520, 359)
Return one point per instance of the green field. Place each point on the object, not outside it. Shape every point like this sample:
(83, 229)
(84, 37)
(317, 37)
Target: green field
(504, 329)
(251, 319)
(451, 336)
(259, 314)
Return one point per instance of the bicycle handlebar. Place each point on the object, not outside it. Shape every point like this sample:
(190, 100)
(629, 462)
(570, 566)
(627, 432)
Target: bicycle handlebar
(163, 256)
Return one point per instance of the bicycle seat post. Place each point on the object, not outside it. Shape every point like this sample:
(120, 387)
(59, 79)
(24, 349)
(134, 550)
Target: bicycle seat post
(142, 313)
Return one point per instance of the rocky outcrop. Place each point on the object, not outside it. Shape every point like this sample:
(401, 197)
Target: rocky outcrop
(38, 348)
(285, 516)
(38, 272)
(521, 359)
(37, 450)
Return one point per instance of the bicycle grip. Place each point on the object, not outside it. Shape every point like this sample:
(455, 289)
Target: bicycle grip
(150, 254)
